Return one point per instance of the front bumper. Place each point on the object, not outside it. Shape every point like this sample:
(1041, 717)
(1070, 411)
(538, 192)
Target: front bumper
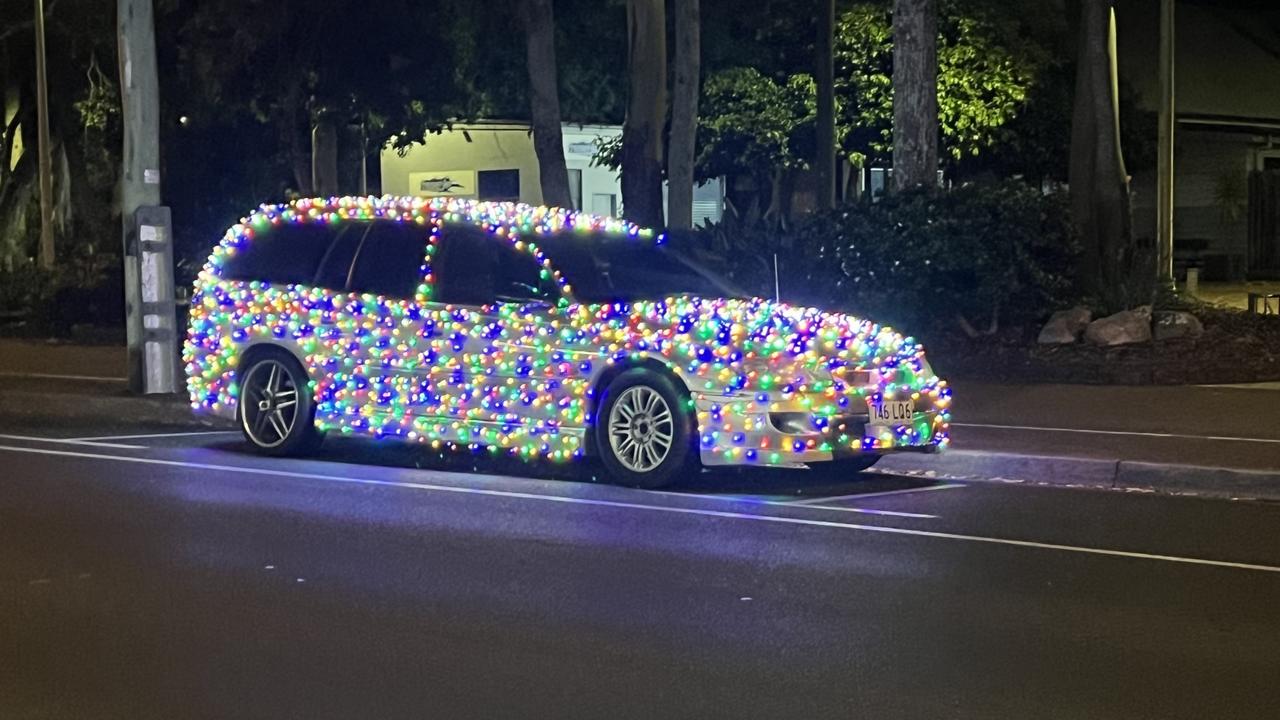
(798, 429)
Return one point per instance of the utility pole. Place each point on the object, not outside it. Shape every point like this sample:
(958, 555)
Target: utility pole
(824, 164)
(1164, 162)
(42, 143)
(140, 176)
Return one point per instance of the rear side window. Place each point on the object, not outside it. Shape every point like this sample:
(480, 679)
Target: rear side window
(288, 253)
(389, 261)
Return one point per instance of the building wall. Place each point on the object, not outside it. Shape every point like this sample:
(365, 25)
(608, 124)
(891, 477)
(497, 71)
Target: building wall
(1227, 95)
(466, 150)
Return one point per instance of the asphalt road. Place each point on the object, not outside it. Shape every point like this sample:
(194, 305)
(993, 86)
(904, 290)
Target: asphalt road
(177, 576)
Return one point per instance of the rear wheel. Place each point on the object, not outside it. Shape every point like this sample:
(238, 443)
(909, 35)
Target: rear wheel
(277, 412)
(644, 433)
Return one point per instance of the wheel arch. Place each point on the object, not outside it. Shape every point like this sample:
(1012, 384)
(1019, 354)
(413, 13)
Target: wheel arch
(265, 348)
(595, 396)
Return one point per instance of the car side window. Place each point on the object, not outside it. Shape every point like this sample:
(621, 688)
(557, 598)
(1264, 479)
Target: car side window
(284, 254)
(336, 265)
(467, 266)
(522, 279)
(389, 260)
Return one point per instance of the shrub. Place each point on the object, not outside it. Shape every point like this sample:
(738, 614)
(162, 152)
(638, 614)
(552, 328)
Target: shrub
(974, 256)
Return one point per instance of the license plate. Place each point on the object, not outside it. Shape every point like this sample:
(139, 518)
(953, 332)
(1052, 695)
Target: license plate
(891, 412)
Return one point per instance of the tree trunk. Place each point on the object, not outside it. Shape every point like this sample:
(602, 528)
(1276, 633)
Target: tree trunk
(544, 101)
(1099, 185)
(915, 93)
(324, 155)
(684, 115)
(299, 147)
(646, 111)
(824, 164)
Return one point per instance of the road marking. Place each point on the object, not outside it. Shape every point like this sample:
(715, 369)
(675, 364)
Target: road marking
(1175, 436)
(569, 500)
(790, 503)
(73, 441)
(863, 511)
(158, 435)
(886, 493)
(54, 376)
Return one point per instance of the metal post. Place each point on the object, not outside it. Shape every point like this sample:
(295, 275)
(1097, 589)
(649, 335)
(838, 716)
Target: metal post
(42, 142)
(140, 172)
(1164, 164)
(159, 320)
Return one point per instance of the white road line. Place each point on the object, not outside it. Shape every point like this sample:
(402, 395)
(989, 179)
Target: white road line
(862, 511)
(790, 503)
(55, 376)
(655, 508)
(158, 435)
(858, 496)
(1130, 433)
(73, 441)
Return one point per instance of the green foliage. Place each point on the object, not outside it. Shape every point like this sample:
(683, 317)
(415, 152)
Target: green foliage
(756, 123)
(749, 123)
(924, 258)
(1036, 143)
(983, 76)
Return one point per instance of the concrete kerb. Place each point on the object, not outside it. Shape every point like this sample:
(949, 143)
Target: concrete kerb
(1168, 478)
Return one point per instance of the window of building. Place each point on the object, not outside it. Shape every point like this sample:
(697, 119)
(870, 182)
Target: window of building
(499, 185)
(604, 204)
(575, 188)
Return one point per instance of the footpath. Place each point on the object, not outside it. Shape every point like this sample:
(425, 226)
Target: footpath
(1221, 441)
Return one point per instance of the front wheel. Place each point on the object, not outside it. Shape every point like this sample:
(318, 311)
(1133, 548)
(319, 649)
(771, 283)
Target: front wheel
(277, 412)
(645, 433)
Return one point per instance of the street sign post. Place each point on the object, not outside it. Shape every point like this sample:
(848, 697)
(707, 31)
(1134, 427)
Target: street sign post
(151, 254)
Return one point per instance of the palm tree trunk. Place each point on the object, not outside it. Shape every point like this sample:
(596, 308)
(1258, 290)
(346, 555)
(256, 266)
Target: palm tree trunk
(684, 115)
(915, 93)
(646, 111)
(1099, 185)
(544, 102)
(824, 165)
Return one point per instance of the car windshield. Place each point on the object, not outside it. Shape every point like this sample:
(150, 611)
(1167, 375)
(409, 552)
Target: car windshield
(605, 268)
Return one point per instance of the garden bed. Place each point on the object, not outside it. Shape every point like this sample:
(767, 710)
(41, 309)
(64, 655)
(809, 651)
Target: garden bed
(1236, 347)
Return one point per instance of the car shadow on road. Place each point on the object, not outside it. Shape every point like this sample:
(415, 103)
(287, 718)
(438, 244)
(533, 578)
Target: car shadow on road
(817, 481)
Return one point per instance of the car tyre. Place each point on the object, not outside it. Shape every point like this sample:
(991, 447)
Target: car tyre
(276, 410)
(644, 431)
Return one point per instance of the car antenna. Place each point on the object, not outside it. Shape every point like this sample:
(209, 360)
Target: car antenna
(777, 289)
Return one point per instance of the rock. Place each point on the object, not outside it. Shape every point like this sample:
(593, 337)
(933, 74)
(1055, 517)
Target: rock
(1064, 327)
(1128, 326)
(1176, 324)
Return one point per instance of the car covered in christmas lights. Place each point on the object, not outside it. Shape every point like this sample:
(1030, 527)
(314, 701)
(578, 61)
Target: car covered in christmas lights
(536, 332)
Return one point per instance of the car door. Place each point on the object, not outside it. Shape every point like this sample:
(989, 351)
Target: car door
(498, 304)
(379, 350)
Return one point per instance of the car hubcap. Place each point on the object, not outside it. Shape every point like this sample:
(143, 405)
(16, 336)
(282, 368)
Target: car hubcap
(641, 428)
(270, 403)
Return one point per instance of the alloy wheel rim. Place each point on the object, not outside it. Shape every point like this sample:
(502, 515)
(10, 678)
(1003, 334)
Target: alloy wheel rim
(269, 399)
(641, 429)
